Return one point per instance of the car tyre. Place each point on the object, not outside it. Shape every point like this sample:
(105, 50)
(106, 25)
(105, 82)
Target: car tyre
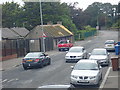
(49, 62)
(25, 68)
(41, 65)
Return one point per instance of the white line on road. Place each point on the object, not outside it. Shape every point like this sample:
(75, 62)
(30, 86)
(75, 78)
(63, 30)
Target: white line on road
(105, 78)
(89, 41)
(4, 80)
(13, 80)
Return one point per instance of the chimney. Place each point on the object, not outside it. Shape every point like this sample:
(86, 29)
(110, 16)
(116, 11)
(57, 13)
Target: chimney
(50, 23)
(59, 22)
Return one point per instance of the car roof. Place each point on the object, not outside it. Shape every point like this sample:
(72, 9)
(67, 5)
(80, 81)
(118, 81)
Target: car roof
(77, 47)
(87, 61)
(99, 49)
(35, 52)
(110, 40)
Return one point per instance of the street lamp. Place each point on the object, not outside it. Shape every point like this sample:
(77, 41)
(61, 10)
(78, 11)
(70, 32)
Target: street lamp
(43, 41)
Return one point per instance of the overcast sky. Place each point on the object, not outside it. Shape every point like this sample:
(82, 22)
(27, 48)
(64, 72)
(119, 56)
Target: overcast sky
(83, 4)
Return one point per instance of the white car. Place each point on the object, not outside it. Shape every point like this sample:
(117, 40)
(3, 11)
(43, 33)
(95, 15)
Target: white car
(101, 55)
(75, 54)
(110, 45)
(86, 72)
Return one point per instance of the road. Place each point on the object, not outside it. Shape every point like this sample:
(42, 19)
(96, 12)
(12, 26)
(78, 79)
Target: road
(56, 73)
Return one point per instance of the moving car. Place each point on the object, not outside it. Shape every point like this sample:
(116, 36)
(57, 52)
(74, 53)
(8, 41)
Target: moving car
(35, 59)
(64, 45)
(86, 72)
(110, 45)
(75, 54)
(101, 55)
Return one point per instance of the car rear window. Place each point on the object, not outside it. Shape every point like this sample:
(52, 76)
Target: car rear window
(109, 42)
(62, 42)
(33, 55)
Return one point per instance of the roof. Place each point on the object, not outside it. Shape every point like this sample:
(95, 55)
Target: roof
(87, 61)
(21, 31)
(8, 33)
(50, 31)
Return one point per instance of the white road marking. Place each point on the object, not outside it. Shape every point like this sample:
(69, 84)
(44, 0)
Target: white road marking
(13, 80)
(105, 78)
(4, 80)
(89, 41)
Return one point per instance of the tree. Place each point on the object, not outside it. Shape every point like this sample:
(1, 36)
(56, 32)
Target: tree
(10, 14)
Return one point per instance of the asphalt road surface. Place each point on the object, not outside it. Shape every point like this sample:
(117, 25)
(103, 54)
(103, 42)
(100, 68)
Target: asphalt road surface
(56, 73)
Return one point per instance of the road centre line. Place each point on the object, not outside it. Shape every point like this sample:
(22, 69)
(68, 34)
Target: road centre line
(105, 78)
(4, 80)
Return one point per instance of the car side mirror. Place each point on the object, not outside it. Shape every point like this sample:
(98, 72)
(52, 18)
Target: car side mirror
(72, 67)
(89, 53)
(66, 51)
(100, 67)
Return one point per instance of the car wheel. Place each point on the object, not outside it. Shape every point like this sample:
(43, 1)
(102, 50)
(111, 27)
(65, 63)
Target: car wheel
(41, 65)
(49, 62)
(25, 68)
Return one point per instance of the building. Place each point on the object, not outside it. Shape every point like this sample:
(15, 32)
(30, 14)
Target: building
(52, 34)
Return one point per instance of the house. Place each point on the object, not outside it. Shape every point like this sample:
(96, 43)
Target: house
(22, 32)
(52, 35)
(13, 42)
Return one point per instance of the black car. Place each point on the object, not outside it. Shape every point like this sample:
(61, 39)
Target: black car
(35, 60)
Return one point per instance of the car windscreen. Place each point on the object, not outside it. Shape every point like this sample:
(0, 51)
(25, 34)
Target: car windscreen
(75, 50)
(86, 66)
(98, 52)
(33, 55)
(62, 42)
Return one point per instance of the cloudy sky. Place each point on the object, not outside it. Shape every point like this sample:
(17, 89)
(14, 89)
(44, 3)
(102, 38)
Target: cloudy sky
(83, 4)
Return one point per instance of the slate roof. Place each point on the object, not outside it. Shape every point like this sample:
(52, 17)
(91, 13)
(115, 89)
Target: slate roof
(20, 31)
(7, 33)
(55, 31)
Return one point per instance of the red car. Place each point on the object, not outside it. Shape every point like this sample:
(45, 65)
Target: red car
(64, 45)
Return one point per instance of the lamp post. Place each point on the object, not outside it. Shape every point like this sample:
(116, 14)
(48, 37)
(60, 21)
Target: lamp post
(43, 41)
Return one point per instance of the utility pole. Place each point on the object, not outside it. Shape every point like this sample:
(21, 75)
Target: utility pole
(43, 38)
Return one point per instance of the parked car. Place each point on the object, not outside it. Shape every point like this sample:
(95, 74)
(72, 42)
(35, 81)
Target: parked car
(64, 45)
(101, 55)
(86, 72)
(110, 45)
(75, 54)
(35, 59)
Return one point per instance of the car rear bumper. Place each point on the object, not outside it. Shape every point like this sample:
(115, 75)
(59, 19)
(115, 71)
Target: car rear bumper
(31, 65)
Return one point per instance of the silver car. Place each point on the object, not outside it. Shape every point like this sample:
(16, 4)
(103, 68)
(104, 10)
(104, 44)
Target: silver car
(75, 54)
(86, 72)
(110, 45)
(101, 55)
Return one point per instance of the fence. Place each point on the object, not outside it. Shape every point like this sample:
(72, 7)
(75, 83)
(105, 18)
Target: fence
(12, 48)
(85, 34)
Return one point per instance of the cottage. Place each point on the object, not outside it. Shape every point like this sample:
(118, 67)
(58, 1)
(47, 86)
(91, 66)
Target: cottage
(52, 34)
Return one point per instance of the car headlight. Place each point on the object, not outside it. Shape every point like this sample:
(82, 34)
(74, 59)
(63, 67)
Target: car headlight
(73, 76)
(92, 77)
